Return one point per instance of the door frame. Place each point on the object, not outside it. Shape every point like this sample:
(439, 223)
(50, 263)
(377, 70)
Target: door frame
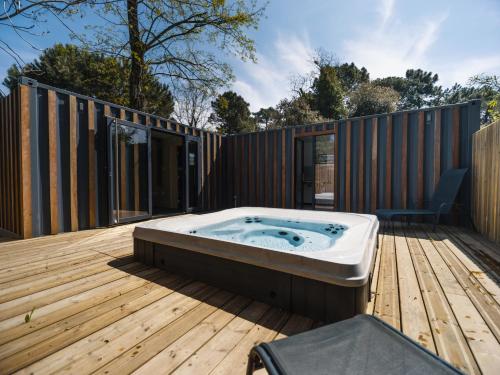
(113, 190)
(315, 133)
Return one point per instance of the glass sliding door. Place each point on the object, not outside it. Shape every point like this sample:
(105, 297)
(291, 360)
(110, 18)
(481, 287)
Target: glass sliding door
(305, 173)
(315, 172)
(130, 171)
(324, 172)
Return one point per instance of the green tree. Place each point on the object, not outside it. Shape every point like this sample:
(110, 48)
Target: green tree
(369, 99)
(178, 39)
(231, 114)
(351, 76)
(417, 89)
(297, 111)
(328, 93)
(92, 74)
(483, 87)
(266, 117)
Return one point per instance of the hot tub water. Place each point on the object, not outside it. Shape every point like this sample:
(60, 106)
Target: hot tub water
(272, 233)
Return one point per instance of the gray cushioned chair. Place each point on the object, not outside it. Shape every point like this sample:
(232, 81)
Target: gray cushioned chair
(441, 202)
(360, 345)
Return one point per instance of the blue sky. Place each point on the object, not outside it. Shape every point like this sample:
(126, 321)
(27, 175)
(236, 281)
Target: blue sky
(455, 39)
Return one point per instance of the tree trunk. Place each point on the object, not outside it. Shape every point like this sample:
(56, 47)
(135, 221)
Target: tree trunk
(137, 52)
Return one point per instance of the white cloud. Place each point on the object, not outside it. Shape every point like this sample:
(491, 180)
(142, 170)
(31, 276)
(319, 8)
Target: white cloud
(462, 70)
(393, 47)
(265, 83)
(428, 36)
(386, 9)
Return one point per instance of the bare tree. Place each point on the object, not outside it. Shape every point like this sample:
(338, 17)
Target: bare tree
(192, 105)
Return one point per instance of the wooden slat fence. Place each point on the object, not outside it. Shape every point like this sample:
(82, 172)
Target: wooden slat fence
(14, 204)
(486, 181)
(382, 161)
(53, 171)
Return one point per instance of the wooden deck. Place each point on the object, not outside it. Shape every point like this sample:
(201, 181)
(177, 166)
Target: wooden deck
(96, 310)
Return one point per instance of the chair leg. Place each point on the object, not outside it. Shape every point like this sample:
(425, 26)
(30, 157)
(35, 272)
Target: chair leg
(254, 362)
(436, 221)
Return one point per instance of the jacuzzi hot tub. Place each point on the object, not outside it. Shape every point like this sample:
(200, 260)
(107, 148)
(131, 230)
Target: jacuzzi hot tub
(311, 262)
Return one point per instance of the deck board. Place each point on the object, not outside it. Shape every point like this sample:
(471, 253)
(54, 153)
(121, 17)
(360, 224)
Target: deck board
(96, 310)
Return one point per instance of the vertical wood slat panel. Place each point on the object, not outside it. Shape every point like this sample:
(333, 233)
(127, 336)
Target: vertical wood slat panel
(3, 213)
(485, 177)
(10, 187)
(348, 166)
(404, 161)
(241, 169)
(4, 171)
(220, 158)
(257, 170)
(209, 171)
(336, 166)
(266, 169)
(5, 168)
(92, 163)
(15, 143)
(455, 128)
(3, 163)
(201, 160)
(293, 168)
(210, 142)
(13, 162)
(53, 165)
(361, 167)
(8, 190)
(283, 168)
(136, 177)
(234, 155)
(420, 159)
(275, 169)
(373, 198)
(213, 159)
(249, 171)
(15, 228)
(437, 147)
(25, 146)
(388, 164)
(73, 163)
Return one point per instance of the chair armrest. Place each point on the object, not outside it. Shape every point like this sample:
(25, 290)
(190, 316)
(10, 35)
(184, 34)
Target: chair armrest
(441, 207)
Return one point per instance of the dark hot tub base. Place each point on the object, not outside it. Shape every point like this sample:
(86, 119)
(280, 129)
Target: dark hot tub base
(315, 299)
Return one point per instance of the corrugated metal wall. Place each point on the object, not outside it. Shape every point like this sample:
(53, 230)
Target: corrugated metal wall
(383, 161)
(54, 177)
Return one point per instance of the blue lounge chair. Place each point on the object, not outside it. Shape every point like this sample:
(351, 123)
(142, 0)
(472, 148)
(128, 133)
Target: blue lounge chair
(441, 202)
(360, 345)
